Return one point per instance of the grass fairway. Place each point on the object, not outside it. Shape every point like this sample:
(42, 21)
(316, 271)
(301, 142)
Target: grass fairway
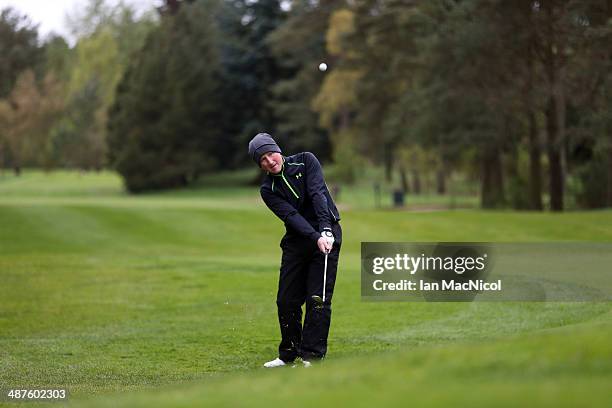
(169, 300)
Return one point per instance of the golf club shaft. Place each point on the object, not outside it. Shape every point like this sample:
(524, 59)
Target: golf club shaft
(325, 275)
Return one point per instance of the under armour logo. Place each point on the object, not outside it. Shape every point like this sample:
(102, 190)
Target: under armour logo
(298, 175)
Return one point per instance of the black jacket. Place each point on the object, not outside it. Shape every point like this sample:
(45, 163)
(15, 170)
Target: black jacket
(299, 196)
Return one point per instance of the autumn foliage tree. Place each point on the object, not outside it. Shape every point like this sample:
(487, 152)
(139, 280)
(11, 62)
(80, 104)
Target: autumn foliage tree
(25, 116)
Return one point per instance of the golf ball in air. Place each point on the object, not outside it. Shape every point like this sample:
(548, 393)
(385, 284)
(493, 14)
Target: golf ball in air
(322, 67)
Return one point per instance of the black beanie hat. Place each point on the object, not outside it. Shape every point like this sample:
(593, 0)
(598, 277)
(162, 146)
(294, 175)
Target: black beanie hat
(261, 144)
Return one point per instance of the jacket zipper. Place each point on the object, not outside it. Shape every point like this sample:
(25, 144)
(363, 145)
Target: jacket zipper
(289, 185)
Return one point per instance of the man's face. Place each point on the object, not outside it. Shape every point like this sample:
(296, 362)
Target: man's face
(271, 162)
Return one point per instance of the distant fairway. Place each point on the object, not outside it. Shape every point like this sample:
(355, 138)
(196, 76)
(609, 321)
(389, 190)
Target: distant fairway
(169, 299)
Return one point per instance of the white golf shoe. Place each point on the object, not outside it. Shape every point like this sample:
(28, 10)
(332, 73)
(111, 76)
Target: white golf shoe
(306, 363)
(277, 362)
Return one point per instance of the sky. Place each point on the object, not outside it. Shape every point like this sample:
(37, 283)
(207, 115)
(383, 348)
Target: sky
(50, 13)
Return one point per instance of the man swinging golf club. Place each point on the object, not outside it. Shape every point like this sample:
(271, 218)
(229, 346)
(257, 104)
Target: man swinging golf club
(294, 189)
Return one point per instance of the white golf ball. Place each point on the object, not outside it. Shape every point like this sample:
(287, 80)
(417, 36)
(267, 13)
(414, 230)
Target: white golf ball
(322, 67)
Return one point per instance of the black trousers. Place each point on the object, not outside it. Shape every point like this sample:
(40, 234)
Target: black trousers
(301, 277)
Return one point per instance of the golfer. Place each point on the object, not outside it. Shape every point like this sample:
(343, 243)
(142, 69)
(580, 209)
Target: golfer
(294, 189)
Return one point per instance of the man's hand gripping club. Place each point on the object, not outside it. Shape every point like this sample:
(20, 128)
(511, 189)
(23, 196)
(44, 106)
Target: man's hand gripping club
(326, 242)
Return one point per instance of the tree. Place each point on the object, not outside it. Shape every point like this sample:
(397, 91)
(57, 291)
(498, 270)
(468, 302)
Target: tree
(299, 46)
(58, 58)
(589, 130)
(164, 126)
(20, 48)
(25, 117)
(76, 140)
(20, 51)
(337, 99)
(381, 29)
(249, 70)
(107, 37)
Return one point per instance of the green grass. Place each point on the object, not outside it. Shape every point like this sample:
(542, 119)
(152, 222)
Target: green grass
(168, 299)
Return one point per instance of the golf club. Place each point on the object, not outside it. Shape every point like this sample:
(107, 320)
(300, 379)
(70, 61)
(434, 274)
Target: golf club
(318, 299)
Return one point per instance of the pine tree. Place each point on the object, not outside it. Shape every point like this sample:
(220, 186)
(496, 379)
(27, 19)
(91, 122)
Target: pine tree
(164, 127)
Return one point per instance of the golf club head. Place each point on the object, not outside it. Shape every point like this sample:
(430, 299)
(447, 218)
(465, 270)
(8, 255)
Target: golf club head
(318, 301)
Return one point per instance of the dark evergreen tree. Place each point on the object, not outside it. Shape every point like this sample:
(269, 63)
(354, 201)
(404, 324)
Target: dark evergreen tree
(164, 127)
(19, 47)
(249, 70)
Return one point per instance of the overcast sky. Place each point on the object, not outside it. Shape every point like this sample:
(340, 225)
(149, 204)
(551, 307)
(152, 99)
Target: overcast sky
(50, 13)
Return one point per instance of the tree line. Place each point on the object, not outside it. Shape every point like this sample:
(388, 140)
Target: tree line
(513, 94)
